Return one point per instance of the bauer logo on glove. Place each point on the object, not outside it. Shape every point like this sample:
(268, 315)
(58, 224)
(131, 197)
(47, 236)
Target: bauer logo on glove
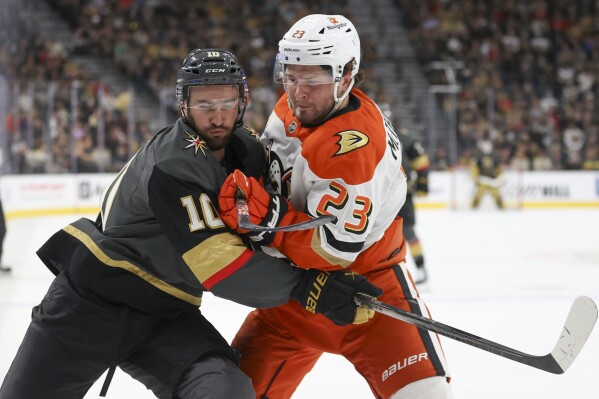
(332, 294)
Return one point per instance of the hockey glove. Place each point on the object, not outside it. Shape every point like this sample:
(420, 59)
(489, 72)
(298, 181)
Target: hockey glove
(332, 294)
(264, 209)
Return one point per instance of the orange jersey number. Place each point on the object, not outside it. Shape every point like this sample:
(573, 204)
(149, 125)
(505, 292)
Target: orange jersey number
(361, 211)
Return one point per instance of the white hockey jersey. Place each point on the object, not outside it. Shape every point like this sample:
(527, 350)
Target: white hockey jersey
(348, 166)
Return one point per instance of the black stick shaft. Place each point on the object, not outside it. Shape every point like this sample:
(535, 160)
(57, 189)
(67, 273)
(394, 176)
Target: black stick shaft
(545, 363)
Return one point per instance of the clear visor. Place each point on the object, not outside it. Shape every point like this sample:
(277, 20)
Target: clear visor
(211, 105)
(287, 77)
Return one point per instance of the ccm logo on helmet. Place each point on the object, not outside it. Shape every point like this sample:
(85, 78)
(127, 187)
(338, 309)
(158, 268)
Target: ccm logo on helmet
(215, 70)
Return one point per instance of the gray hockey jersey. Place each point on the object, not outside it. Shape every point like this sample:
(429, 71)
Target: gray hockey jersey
(159, 243)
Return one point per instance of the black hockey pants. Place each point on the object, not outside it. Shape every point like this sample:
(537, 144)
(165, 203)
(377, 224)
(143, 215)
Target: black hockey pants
(72, 340)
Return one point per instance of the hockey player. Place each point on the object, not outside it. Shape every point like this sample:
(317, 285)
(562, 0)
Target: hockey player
(486, 171)
(128, 286)
(3, 268)
(415, 163)
(332, 151)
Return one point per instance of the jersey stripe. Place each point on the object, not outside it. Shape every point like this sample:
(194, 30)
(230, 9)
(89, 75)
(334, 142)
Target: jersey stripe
(216, 258)
(229, 270)
(108, 195)
(342, 246)
(430, 339)
(316, 245)
(130, 267)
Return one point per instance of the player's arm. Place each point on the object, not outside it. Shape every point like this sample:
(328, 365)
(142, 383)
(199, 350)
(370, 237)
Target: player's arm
(223, 265)
(330, 293)
(328, 247)
(210, 250)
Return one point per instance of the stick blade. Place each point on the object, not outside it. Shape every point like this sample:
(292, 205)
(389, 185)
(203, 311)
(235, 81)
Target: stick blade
(576, 331)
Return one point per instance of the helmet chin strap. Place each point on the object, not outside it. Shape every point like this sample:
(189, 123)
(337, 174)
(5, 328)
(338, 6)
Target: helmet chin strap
(339, 100)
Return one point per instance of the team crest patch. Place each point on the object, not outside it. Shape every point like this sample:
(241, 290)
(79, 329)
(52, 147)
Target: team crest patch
(196, 143)
(292, 126)
(350, 140)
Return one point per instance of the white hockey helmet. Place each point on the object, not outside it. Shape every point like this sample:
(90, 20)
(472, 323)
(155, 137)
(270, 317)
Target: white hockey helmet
(320, 39)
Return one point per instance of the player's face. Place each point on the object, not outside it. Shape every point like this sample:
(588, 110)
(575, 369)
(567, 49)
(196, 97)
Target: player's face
(212, 111)
(310, 101)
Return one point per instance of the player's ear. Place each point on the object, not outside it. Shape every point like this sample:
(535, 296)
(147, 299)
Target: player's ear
(344, 83)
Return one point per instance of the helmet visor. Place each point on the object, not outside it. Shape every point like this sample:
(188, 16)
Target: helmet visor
(211, 105)
(286, 77)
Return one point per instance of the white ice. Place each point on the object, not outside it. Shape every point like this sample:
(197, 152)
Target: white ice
(506, 276)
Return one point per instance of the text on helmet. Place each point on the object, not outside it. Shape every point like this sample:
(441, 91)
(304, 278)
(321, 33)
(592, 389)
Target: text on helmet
(337, 26)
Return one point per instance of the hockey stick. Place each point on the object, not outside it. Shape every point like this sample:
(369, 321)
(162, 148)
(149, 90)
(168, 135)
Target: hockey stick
(578, 327)
(243, 220)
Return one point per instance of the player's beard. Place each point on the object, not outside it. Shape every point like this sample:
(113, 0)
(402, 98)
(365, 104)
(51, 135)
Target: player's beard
(216, 143)
(313, 116)
(213, 143)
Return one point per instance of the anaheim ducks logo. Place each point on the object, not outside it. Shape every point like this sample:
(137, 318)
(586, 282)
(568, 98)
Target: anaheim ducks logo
(350, 140)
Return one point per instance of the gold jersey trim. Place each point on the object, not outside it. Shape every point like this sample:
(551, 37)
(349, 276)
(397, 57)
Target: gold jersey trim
(130, 267)
(317, 247)
(213, 255)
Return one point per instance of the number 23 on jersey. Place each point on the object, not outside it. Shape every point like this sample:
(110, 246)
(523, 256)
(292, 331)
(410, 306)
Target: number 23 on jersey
(339, 199)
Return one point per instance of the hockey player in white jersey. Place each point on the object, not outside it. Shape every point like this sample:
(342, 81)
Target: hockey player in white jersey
(332, 151)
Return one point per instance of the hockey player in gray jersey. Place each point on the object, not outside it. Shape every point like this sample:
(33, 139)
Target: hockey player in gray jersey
(128, 285)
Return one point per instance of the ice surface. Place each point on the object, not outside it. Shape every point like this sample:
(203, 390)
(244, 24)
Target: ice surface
(506, 276)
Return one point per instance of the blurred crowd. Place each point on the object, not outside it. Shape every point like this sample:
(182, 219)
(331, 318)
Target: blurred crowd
(529, 76)
(53, 118)
(529, 80)
(55, 122)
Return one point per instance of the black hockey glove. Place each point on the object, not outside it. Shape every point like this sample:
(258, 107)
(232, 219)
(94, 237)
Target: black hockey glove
(332, 294)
